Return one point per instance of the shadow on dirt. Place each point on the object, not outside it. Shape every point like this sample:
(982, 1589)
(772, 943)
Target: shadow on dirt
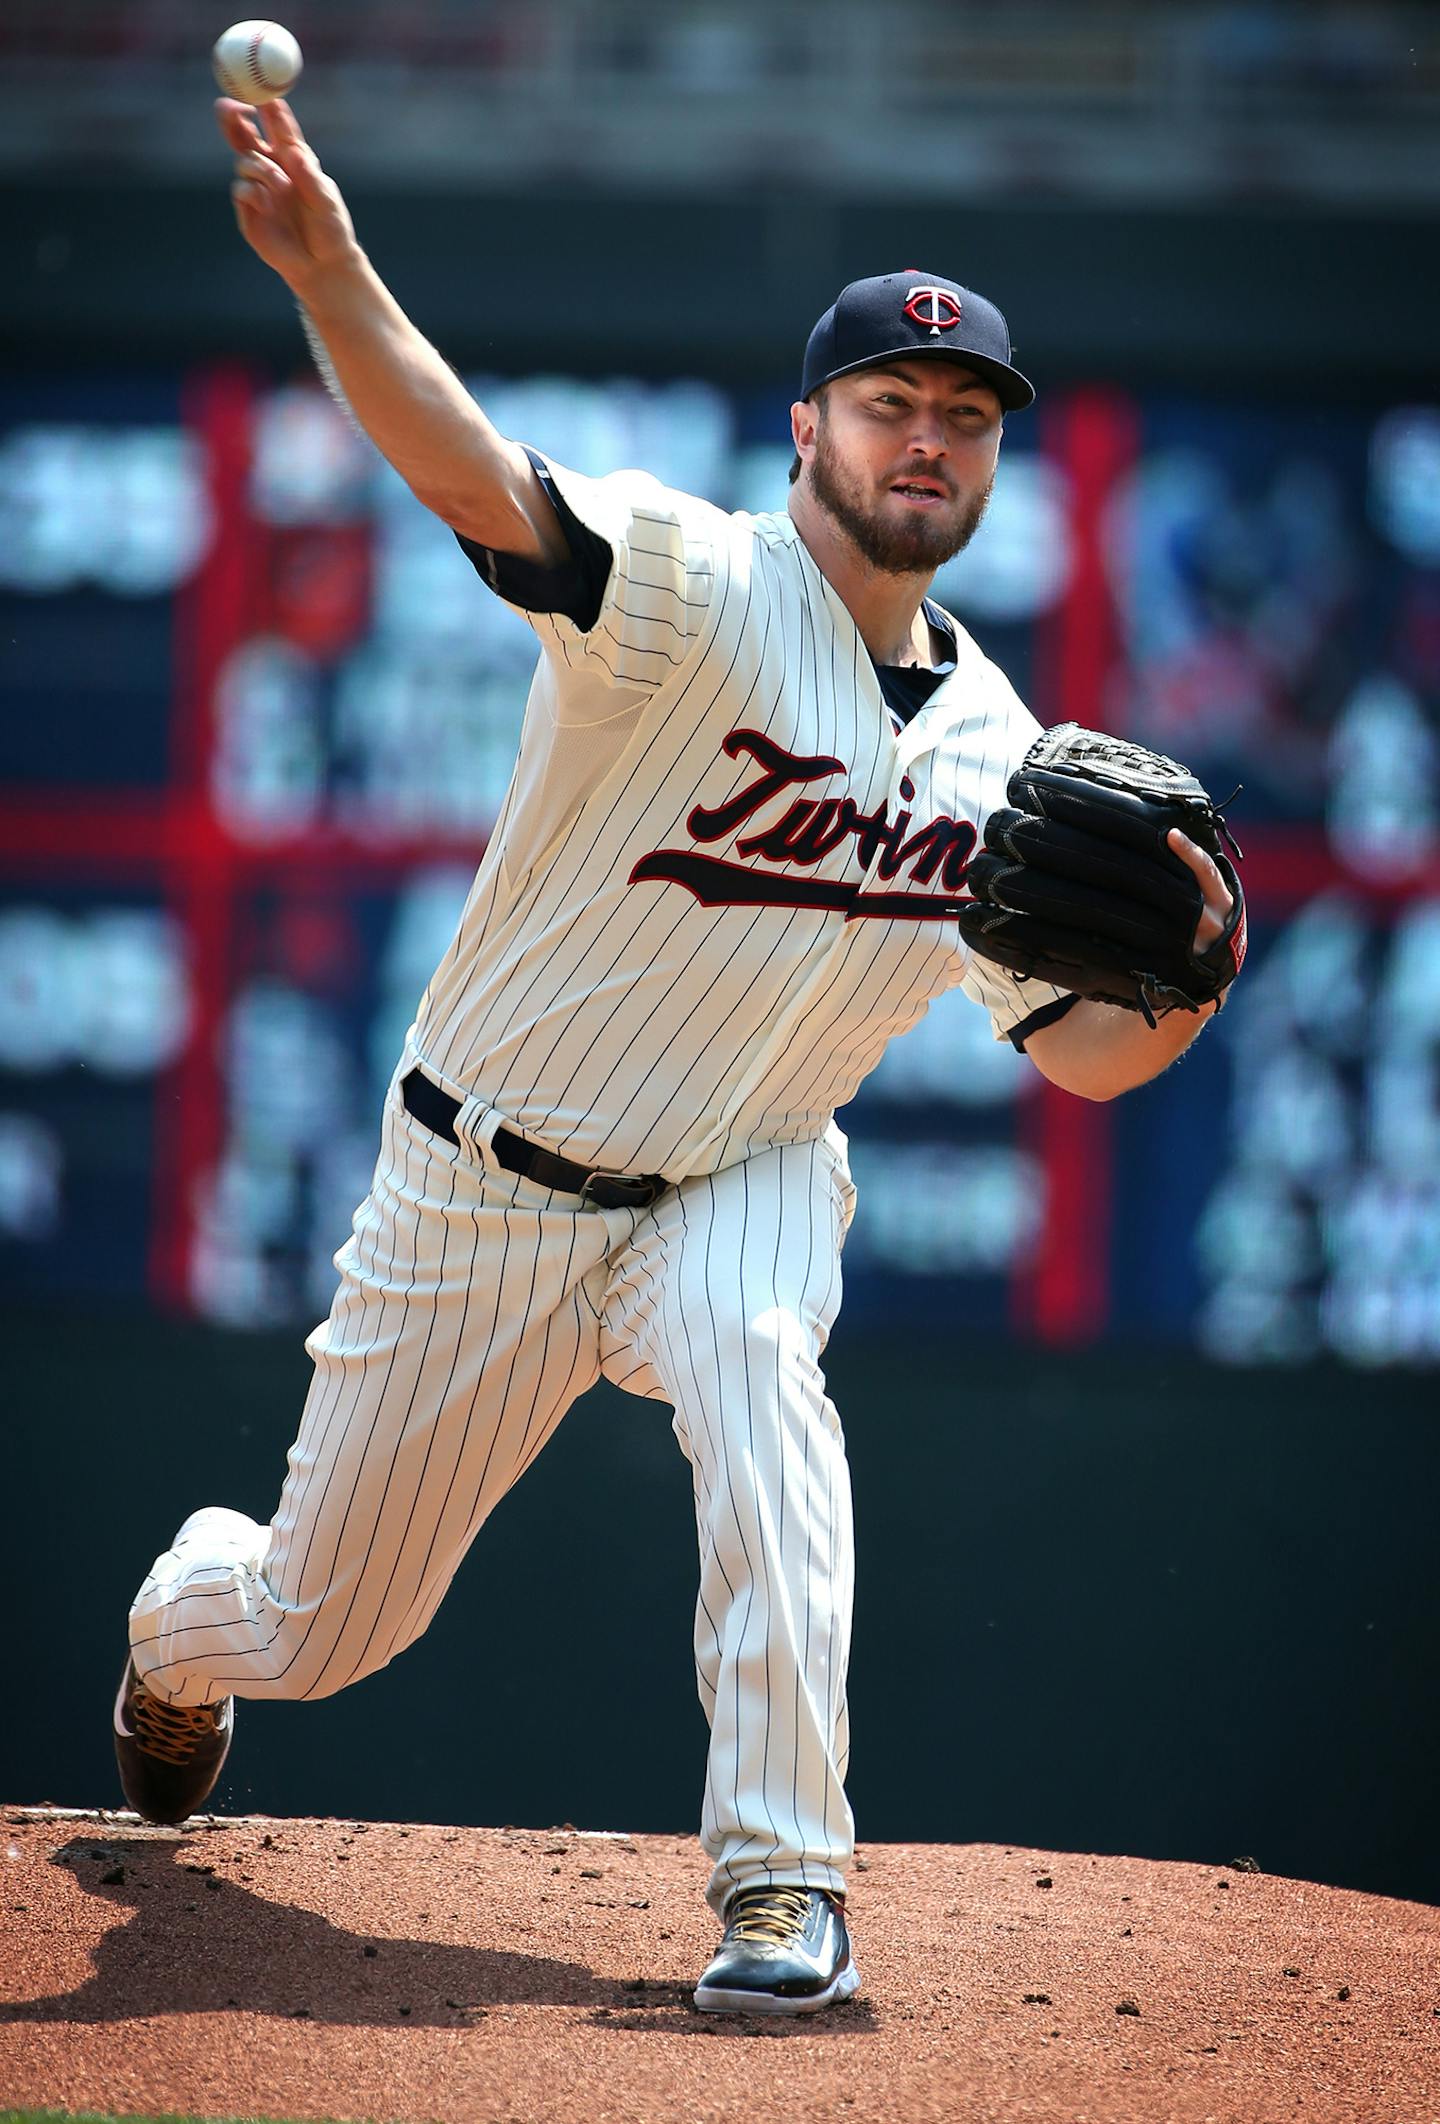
(198, 1942)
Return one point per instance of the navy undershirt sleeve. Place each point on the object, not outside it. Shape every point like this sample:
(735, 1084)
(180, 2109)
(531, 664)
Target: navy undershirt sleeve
(575, 588)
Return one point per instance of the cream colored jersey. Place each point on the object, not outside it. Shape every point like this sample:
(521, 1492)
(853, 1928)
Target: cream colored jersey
(722, 881)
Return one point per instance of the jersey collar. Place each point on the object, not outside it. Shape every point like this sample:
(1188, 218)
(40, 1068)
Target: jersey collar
(945, 707)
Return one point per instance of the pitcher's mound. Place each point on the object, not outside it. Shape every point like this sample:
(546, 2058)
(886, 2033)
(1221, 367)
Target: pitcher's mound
(255, 1968)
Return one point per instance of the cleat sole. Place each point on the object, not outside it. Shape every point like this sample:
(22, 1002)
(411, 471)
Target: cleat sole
(712, 1999)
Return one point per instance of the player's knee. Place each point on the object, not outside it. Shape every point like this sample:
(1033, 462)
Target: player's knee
(768, 1335)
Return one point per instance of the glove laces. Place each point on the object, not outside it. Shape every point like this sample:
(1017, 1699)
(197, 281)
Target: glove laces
(1223, 825)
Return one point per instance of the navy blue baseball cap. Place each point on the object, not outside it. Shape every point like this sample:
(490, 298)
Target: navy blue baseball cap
(899, 315)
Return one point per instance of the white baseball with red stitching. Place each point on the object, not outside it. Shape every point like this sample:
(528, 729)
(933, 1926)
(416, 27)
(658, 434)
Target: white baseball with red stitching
(256, 61)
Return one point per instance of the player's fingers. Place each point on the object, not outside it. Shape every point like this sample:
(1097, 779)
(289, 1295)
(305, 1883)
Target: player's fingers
(265, 179)
(263, 170)
(291, 148)
(247, 198)
(1215, 892)
(302, 165)
(282, 125)
(238, 128)
(1212, 884)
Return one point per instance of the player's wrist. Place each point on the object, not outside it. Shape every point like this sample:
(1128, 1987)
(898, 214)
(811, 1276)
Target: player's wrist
(332, 287)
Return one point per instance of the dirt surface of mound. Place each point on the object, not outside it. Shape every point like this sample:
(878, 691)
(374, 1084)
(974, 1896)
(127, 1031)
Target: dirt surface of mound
(266, 1968)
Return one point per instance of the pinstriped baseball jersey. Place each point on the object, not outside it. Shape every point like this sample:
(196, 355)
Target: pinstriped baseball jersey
(725, 875)
(722, 880)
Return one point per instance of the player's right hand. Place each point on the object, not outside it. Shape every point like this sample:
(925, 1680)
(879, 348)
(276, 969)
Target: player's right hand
(289, 212)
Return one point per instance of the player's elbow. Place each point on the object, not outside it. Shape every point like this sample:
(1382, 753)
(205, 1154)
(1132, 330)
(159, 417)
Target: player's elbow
(1069, 1055)
(1084, 1084)
(481, 526)
(486, 521)
(494, 498)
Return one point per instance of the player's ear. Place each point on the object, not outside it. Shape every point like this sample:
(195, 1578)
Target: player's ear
(804, 421)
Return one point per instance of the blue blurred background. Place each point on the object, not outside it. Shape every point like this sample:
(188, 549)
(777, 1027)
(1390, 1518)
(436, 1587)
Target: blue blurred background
(258, 715)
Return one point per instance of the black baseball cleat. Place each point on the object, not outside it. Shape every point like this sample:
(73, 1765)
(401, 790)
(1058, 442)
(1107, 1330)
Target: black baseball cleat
(169, 1754)
(785, 1950)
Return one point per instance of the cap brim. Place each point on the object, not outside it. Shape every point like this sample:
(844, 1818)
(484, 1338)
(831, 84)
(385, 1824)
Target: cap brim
(1013, 390)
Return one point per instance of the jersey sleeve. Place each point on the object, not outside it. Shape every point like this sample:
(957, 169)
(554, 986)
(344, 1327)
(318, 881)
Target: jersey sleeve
(574, 586)
(647, 611)
(1017, 1008)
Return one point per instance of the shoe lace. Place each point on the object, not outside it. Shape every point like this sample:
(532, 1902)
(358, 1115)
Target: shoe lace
(171, 1731)
(771, 1915)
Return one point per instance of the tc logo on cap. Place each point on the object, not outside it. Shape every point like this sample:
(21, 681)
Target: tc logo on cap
(936, 307)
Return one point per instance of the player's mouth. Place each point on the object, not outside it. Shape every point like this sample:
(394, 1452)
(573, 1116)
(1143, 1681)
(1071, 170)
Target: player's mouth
(923, 493)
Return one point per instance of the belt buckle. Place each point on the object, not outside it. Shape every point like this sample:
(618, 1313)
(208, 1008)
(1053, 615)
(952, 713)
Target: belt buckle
(619, 1190)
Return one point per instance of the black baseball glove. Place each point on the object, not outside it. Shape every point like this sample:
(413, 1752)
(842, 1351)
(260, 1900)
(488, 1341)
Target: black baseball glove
(1076, 884)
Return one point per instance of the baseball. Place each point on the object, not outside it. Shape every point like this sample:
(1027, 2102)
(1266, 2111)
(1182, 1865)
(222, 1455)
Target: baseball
(256, 61)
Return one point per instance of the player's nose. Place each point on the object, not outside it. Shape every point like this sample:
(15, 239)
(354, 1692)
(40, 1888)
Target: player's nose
(927, 455)
(927, 433)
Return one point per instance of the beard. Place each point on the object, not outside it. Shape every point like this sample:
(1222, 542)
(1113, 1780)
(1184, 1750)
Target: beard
(915, 545)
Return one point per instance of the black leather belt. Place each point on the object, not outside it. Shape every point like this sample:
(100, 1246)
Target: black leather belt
(436, 1110)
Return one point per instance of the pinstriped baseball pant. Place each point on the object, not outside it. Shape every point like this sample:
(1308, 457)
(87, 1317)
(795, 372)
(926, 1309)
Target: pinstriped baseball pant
(473, 1307)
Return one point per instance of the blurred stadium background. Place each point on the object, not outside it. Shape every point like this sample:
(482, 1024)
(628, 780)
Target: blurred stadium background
(1141, 1398)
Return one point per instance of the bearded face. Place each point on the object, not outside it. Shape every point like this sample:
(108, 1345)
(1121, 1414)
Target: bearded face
(908, 521)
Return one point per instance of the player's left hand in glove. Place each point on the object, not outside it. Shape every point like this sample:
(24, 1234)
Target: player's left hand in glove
(1081, 884)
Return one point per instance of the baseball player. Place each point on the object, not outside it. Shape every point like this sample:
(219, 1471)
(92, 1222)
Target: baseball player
(754, 762)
